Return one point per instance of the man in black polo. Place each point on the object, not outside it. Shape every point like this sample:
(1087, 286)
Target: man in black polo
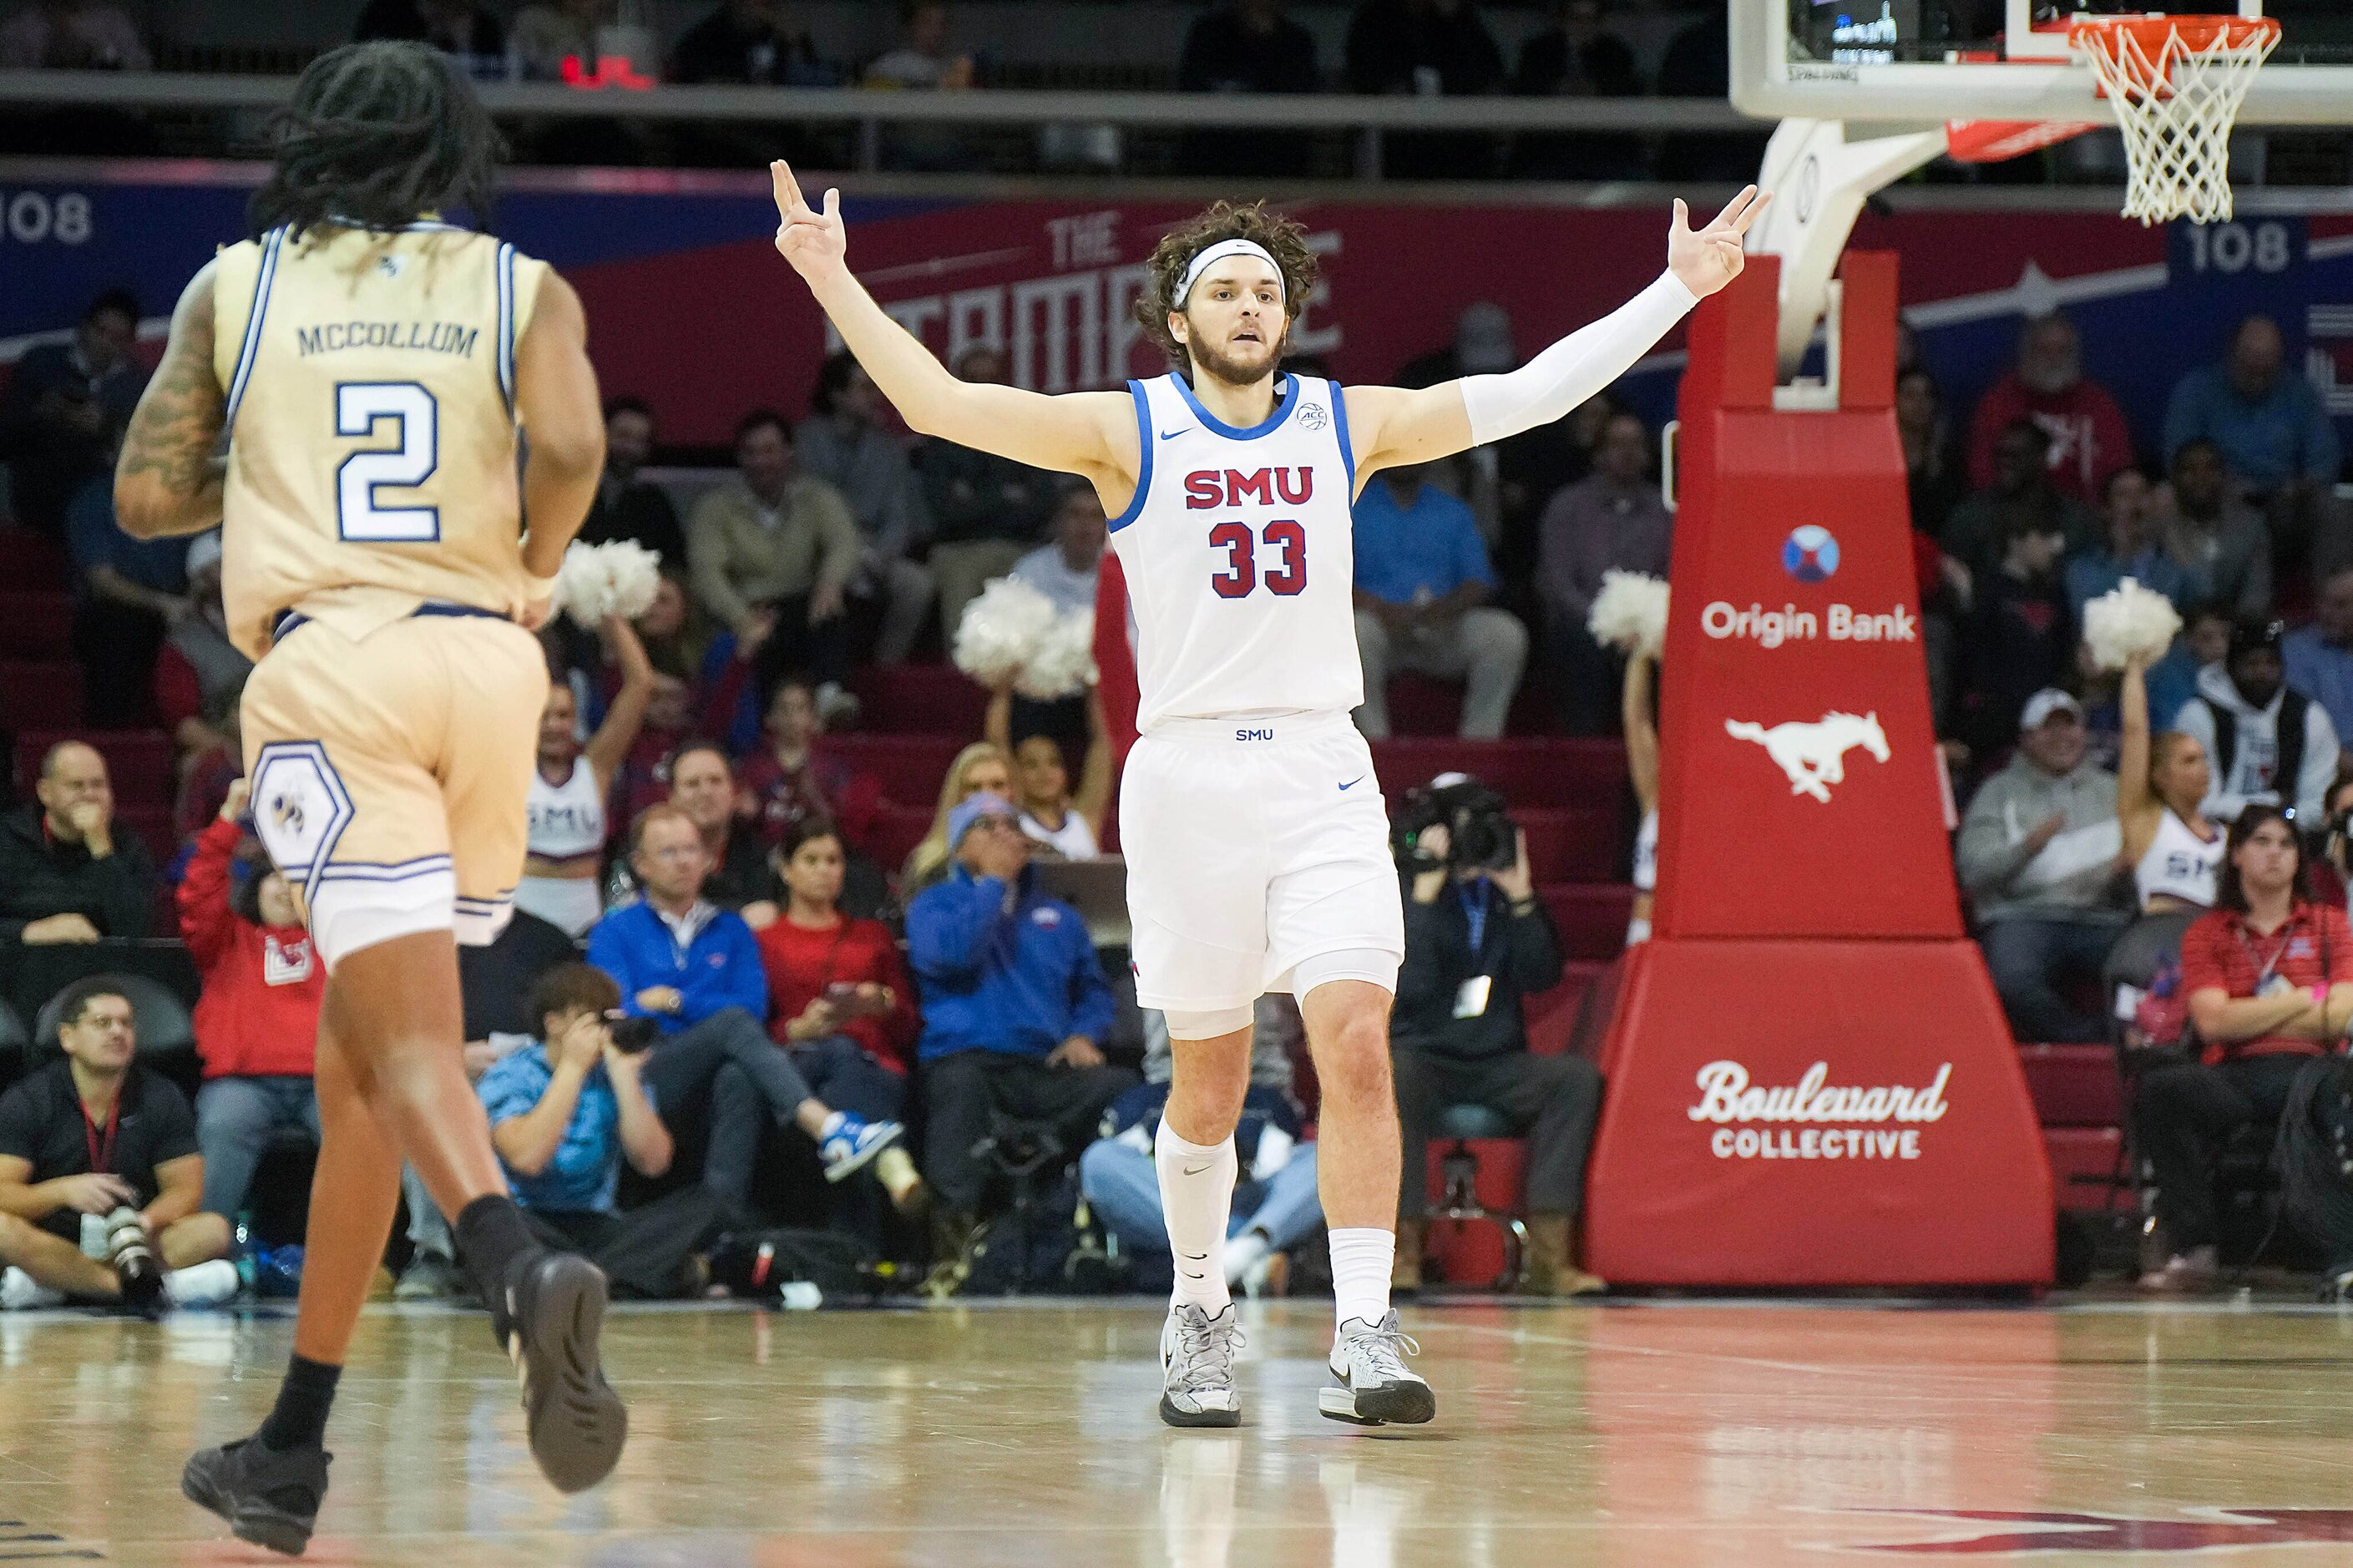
(68, 873)
(100, 1176)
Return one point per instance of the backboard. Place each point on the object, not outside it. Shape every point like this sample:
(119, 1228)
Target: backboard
(1922, 62)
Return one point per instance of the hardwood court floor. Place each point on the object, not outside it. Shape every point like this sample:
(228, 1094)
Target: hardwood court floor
(1024, 1436)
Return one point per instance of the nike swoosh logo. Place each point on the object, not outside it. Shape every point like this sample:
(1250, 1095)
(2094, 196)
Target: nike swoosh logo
(1172, 434)
(1354, 782)
(1195, 1171)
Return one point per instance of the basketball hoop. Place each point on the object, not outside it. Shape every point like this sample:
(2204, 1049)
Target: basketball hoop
(2177, 83)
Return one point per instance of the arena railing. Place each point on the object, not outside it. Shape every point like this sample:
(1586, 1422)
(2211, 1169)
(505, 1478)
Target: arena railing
(1368, 120)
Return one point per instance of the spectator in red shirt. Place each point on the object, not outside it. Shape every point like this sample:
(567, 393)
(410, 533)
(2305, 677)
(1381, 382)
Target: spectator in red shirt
(258, 1018)
(2089, 438)
(838, 1001)
(2269, 976)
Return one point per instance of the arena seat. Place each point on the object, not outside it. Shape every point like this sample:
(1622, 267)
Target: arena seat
(1476, 1164)
(40, 694)
(1530, 770)
(29, 561)
(1573, 844)
(1591, 917)
(2073, 1085)
(36, 622)
(909, 767)
(2090, 1155)
(897, 830)
(921, 699)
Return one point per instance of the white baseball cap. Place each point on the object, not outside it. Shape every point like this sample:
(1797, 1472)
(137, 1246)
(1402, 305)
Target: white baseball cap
(2044, 703)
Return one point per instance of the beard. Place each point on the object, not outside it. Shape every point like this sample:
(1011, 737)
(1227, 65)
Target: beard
(1211, 361)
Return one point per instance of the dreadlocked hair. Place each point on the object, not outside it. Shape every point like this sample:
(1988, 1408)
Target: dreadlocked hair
(375, 135)
(1281, 237)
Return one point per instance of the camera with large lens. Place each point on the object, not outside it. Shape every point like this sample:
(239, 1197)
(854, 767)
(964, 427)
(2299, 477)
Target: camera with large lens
(1480, 833)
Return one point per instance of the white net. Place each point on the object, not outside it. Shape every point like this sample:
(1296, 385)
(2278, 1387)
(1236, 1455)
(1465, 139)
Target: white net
(2177, 84)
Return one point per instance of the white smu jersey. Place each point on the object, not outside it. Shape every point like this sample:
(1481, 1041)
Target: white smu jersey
(1240, 559)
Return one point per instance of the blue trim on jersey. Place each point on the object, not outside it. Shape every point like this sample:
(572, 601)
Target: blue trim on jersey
(506, 324)
(1144, 441)
(1340, 424)
(373, 871)
(250, 349)
(1272, 422)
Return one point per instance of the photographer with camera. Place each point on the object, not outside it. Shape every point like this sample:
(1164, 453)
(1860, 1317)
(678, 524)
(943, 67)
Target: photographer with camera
(565, 1109)
(1477, 942)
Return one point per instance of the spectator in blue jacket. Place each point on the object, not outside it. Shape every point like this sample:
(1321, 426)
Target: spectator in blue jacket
(2273, 431)
(695, 969)
(1015, 1008)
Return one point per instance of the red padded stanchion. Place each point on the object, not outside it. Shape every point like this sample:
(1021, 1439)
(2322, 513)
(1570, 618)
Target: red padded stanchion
(1811, 1080)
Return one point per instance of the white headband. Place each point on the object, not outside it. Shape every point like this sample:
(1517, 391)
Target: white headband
(1211, 255)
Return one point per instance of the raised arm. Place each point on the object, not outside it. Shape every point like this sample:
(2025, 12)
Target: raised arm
(1093, 799)
(1642, 734)
(555, 403)
(2132, 755)
(1088, 433)
(1392, 425)
(611, 745)
(168, 477)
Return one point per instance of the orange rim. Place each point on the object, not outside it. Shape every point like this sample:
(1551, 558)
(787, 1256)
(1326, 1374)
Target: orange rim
(2197, 33)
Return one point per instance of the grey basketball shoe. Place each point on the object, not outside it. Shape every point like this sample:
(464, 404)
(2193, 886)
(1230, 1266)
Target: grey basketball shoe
(1196, 1367)
(1373, 1384)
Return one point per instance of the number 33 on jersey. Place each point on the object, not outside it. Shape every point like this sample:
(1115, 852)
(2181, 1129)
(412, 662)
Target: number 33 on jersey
(1239, 554)
(377, 444)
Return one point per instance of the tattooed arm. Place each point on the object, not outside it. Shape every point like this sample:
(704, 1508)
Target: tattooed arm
(168, 478)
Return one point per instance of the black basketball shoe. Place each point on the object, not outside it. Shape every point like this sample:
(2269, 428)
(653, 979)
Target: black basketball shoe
(267, 1497)
(551, 1313)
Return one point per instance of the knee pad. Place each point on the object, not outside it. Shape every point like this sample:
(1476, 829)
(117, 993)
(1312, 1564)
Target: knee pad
(1208, 1025)
(1369, 964)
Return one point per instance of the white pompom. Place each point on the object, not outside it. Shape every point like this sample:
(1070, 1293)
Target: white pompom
(2129, 619)
(599, 581)
(1629, 613)
(1064, 662)
(1001, 630)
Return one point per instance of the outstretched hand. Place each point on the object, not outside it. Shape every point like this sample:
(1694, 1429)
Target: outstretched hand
(814, 242)
(1705, 260)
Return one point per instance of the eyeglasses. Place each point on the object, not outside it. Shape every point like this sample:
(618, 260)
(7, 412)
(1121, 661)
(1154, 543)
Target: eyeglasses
(996, 824)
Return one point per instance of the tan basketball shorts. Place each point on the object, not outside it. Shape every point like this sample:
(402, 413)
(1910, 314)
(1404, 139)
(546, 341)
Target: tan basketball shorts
(390, 772)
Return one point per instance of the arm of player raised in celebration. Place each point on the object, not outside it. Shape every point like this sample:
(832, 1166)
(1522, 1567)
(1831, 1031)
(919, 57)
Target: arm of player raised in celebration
(556, 405)
(1393, 425)
(168, 477)
(1087, 433)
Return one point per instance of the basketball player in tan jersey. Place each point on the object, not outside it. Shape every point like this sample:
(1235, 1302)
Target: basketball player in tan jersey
(370, 369)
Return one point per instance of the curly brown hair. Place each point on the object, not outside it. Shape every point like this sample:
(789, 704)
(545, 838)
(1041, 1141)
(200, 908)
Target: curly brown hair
(1283, 239)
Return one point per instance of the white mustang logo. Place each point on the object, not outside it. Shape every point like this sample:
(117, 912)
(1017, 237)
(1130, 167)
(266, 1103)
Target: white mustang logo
(1813, 755)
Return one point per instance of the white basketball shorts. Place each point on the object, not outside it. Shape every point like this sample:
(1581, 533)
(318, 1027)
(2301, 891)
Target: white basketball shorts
(1252, 845)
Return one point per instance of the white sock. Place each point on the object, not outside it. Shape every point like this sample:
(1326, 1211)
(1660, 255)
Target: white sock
(1196, 1197)
(1362, 1257)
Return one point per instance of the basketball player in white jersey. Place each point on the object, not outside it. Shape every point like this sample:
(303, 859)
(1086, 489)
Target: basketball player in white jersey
(1255, 834)
(370, 371)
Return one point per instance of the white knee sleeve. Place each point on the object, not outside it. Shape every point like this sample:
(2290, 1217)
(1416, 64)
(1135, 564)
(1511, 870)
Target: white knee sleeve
(1209, 1024)
(1369, 964)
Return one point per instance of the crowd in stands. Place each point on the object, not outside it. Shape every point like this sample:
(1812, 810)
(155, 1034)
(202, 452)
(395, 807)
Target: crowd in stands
(726, 875)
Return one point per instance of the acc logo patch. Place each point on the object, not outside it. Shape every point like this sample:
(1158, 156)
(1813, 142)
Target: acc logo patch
(1312, 416)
